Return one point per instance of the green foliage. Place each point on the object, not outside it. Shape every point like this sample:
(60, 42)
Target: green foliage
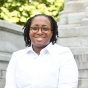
(18, 11)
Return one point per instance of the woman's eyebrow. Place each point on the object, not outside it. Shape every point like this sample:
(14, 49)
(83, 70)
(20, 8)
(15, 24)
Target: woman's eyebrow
(39, 25)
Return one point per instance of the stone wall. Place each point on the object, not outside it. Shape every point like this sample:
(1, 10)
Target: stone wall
(11, 40)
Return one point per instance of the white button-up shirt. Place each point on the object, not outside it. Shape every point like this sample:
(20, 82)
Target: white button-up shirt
(55, 67)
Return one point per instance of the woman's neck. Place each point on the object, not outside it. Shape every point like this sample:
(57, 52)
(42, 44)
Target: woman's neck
(37, 49)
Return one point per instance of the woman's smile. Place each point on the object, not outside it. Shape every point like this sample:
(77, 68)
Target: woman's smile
(39, 39)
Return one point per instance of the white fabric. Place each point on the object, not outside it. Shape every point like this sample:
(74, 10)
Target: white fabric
(55, 67)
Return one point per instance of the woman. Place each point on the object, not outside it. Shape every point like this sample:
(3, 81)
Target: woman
(43, 64)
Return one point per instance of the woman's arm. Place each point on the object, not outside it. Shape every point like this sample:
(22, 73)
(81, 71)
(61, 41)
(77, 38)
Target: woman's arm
(68, 77)
(10, 73)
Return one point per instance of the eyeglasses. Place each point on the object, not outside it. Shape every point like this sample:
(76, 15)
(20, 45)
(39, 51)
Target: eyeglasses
(44, 29)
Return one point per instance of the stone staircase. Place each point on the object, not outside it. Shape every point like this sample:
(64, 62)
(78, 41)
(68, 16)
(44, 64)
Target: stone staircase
(73, 32)
(79, 47)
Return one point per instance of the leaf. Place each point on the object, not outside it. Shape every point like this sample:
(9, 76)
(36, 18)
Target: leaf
(23, 19)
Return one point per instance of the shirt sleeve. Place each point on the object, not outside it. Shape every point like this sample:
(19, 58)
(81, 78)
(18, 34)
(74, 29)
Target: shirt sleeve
(10, 73)
(68, 76)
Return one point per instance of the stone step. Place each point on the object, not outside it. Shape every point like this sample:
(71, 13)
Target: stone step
(82, 65)
(3, 65)
(71, 18)
(81, 51)
(75, 6)
(75, 17)
(82, 61)
(81, 58)
(70, 31)
(83, 83)
(2, 83)
(83, 74)
(5, 56)
(86, 11)
(73, 41)
(84, 22)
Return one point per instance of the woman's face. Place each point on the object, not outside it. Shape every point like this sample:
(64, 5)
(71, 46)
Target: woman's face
(40, 32)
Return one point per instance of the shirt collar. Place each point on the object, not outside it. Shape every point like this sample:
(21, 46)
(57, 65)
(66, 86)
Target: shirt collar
(28, 49)
(53, 49)
(50, 48)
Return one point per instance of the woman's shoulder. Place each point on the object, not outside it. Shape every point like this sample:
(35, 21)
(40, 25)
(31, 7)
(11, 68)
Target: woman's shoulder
(22, 51)
(60, 49)
(57, 46)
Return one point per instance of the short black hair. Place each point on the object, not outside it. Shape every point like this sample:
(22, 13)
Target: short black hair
(54, 28)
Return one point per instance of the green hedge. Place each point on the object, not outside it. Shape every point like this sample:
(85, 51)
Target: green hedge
(18, 11)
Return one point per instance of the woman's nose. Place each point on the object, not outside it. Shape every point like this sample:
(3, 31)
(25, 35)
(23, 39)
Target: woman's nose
(40, 30)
